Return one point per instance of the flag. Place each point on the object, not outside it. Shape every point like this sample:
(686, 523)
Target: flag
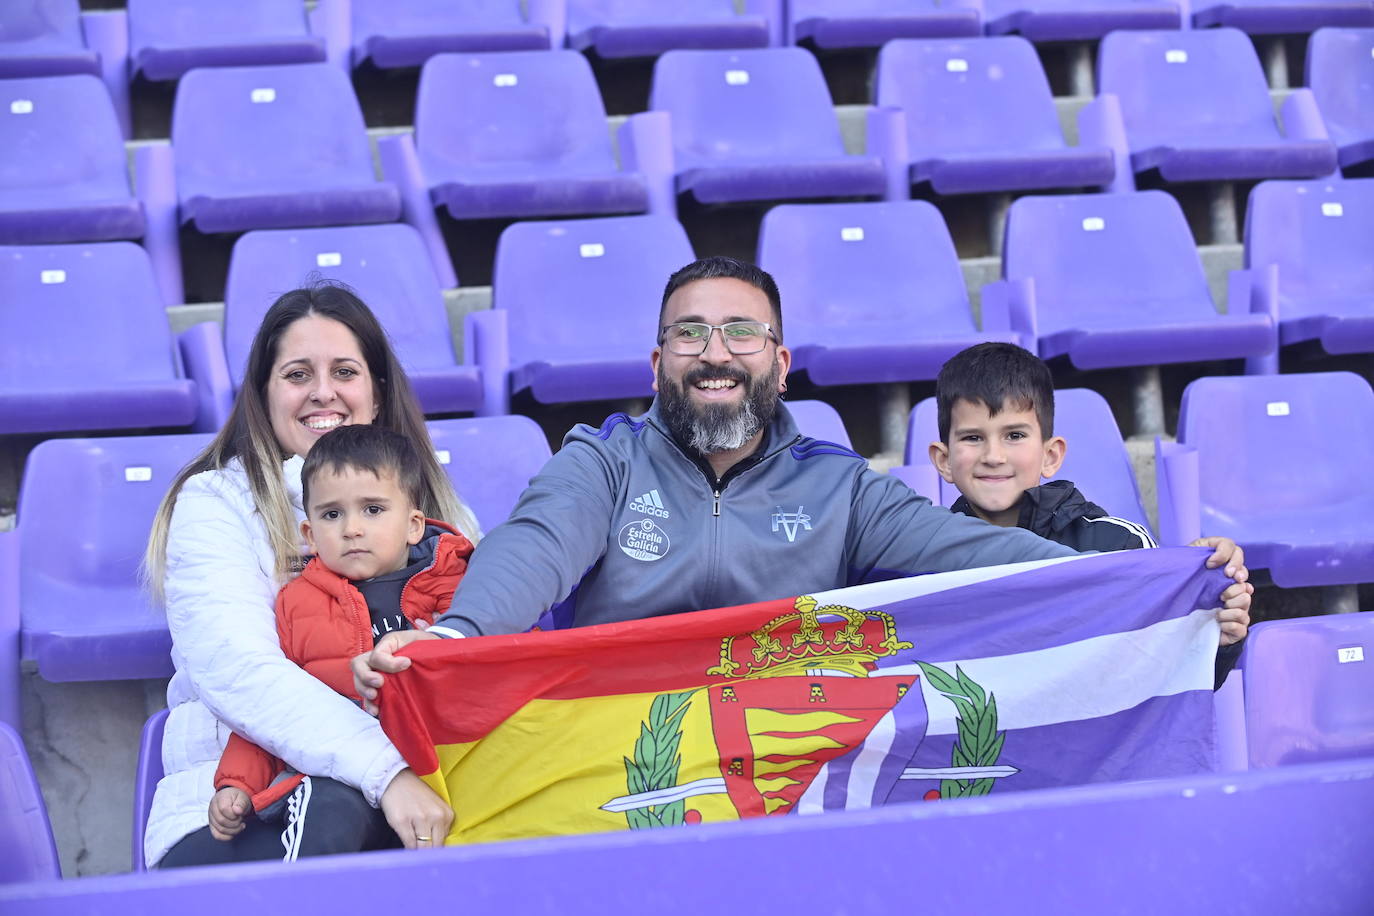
(1061, 672)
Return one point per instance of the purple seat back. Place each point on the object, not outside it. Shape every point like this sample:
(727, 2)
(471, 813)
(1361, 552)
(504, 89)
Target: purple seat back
(169, 37)
(871, 23)
(1309, 683)
(819, 420)
(43, 38)
(969, 95)
(1096, 460)
(1320, 234)
(405, 33)
(1202, 87)
(746, 105)
(27, 851)
(85, 509)
(146, 780)
(642, 28)
(1103, 261)
(490, 461)
(586, 290)
(1340, 73)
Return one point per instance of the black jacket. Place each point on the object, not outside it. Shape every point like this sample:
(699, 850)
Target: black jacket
(1055, 510)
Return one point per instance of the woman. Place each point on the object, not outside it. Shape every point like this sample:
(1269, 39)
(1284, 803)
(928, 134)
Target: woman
(227, 537)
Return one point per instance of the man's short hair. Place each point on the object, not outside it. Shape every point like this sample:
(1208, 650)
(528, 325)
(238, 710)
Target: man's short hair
(1000, 376)
(365, 447)
(720, 266)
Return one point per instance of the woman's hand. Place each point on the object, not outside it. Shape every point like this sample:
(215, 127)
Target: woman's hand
(420, 818)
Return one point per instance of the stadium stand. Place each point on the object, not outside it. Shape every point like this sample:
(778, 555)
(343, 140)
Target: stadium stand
(874, 292)
(978, 117)
(169, 37)
(1196, 108)
(1231, 473)
(490, 461)
(27, 850)
(1340, 73)
(1283, 17)
(869, 23)
(756, 125)
(1307, 247)
(119, 370)
(819, 420)
(1096, 459)
(406, 33)
(145, 781)
(1114, 280)
(389, 268)
(571, 316)
(645, 28)
(44, 38)
(1076, 20)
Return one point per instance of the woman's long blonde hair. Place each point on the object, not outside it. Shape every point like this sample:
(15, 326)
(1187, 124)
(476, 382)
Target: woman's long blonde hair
(247, 434)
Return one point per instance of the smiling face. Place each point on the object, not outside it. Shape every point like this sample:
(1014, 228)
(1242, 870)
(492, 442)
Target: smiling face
(994, 459)
(360, 524)
(318, 381)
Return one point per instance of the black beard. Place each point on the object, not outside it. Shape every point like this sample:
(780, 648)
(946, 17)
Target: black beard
(710, 428)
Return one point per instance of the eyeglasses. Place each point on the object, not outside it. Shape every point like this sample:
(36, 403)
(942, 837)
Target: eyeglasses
(691, 338)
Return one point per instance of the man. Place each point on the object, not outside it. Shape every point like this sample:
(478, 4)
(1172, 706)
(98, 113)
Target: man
(713, 498)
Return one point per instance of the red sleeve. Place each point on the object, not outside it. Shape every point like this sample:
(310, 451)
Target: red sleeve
(246, 766)
(336, 673)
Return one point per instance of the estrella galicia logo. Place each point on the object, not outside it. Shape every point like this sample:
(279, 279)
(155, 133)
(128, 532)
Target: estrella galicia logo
(643, 540)
(789, 522)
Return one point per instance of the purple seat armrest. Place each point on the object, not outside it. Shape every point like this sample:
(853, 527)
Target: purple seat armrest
(923, 478)
(1302, 120)
(553, 15)
(155, 182)
(1257, 291)
(1100, 124)
(1010, 304)
(401, 167)
(1180, 510)
(107, 33)
(201, 348)
(646, 147)
(9, 630)
(486, 345)
(1229, 708)
(332, 20)
(996, 316)
(886, 137)
(772, 12)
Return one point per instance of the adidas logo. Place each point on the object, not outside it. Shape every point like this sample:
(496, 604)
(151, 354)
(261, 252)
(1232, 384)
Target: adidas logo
(649, 504)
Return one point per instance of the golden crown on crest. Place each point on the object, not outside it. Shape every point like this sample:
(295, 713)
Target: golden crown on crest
(800, 640)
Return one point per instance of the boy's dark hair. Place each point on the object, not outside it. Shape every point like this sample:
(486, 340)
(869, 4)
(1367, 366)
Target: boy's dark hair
(365, 447)
(1000, 376)
(720, 266)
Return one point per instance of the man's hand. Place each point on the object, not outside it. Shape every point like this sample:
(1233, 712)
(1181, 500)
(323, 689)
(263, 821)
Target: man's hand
(228, 808)
(420, 818)
(368, 667)
(1234, 615)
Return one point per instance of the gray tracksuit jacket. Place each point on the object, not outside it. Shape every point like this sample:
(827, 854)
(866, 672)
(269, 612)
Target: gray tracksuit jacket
(623, 524)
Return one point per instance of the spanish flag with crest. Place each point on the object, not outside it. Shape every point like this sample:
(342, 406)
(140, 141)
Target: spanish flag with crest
(1052, 673)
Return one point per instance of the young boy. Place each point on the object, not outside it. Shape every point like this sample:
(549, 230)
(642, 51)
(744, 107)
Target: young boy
(379, 566)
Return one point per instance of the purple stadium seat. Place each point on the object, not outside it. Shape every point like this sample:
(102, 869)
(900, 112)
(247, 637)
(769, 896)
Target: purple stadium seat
(569, 320)
(1283, 17)
(63, 173)
(146, 780)
(9, 630)
(1096, 460)
(1196, 107)
(43, 38)
(86, 342)
(85, 615)
(272, 147)
(1308, 686)
(27, 851)
(872, 23)
(819, 420)
(1076, 20)
(518, 135)
(490, 461)
(979, 117)
(1340, 73)
(406, 33)
(1114, 280)
(169, 37)
(389, 269)
(644, 28)
(1318, 235)
(756, 125)
(1266, 460)
(874, 291)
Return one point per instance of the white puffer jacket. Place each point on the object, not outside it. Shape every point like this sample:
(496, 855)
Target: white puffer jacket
(230, 670)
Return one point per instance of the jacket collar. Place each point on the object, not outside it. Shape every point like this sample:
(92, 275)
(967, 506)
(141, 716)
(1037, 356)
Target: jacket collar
(782, 430)
(1045, 510)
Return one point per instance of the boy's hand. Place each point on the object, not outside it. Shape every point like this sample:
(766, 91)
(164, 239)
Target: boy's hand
(368, 667)
(227, 810)
(1234, 615)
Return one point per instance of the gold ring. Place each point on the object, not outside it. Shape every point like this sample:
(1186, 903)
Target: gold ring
(423, 839)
